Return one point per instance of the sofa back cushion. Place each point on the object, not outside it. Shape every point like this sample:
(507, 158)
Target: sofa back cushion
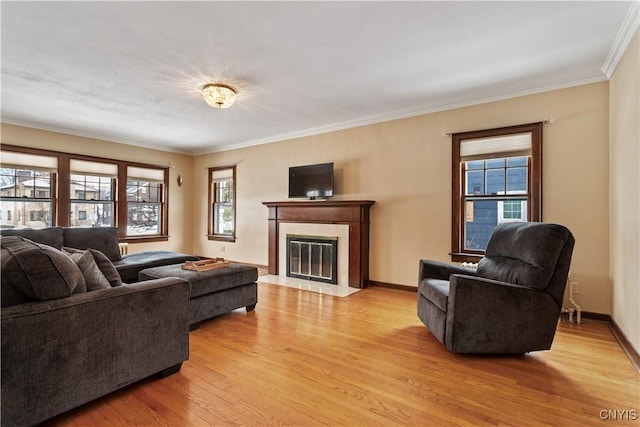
(103, 239)
(36, 272)
(523, 253)
(51, 236)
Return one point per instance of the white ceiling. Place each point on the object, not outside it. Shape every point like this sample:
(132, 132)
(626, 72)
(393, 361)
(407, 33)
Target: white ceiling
(130, 71)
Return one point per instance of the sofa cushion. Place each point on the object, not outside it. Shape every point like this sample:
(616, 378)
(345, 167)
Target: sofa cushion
(92, 275)
(523, 253)
(436, 291)
(51, 236)
(104, 264)
(104, 239)
(36, 272)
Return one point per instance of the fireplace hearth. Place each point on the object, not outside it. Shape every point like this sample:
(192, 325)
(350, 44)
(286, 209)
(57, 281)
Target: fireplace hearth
(312, 258)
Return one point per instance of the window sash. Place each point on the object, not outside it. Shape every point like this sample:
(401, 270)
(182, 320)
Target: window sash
(30, 181)
(508, 175)
(480, 212)
(144, 191)
(143, 218)
(223, 191)
(97, 213)
(18, 213)
(103, 187)
(28, 197)
(221, 223)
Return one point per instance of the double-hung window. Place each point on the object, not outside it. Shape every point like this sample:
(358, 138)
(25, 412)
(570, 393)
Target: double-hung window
(145, 200)
(497, 177)
(27, 184)
(92, 189)
(222, 203)
(43, 188)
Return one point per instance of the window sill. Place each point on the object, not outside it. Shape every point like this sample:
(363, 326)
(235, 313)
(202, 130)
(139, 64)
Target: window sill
(145, 239)
(466, 257)
(221, 238)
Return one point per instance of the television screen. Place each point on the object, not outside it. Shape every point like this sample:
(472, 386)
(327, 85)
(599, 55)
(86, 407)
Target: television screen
(311, 181)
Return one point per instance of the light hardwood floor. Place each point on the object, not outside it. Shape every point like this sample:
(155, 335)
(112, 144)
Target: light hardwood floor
(306, 359)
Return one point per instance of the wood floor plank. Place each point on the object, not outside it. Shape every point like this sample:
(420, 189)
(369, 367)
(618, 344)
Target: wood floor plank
(307, 359)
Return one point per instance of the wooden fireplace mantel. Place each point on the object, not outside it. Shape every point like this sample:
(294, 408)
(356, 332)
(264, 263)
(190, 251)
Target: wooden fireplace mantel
(354, 213)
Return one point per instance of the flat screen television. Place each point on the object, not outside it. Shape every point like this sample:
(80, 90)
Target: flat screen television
(311, 181)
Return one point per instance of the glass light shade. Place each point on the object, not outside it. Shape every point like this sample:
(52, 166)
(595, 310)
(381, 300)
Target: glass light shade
(219, 95)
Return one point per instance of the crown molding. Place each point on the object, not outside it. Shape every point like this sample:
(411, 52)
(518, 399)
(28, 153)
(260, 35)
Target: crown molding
(482, 98)
(623, 38)
(90, 135)
(479, 98)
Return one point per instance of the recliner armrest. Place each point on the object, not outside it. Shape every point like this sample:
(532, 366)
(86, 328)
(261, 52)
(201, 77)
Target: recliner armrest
(441, 270)
(488, 316)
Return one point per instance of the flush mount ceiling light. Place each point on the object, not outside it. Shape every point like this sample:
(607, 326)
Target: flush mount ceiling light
(219, 95)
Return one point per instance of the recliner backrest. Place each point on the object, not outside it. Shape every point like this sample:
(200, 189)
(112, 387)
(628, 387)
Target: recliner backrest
(526, 253)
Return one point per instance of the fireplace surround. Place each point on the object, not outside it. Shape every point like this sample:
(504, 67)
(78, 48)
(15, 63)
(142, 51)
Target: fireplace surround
(353, 214)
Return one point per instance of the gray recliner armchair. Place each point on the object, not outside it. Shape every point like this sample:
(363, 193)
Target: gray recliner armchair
(511, 303)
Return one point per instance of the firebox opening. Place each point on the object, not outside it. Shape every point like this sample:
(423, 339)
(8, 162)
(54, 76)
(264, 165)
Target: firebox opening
(313, 258)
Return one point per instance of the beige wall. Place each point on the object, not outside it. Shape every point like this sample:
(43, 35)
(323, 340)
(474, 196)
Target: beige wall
(625, 192)
(404, 165)
(180, 198)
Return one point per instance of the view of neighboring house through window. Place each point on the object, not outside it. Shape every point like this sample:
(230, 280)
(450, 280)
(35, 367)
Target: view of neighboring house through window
(26, 191)
(496, 178)
(496, 191)
(222, 202)
(145, 196)
(92, 191)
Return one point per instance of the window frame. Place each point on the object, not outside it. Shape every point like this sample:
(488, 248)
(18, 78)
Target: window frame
(51, 200)
(534, 184)
(91, 201)
(160, 202)
(211, 217)
(61, 192)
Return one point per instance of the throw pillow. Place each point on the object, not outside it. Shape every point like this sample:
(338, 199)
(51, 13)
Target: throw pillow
(36, 272)
(104, 264)
(92, 274)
